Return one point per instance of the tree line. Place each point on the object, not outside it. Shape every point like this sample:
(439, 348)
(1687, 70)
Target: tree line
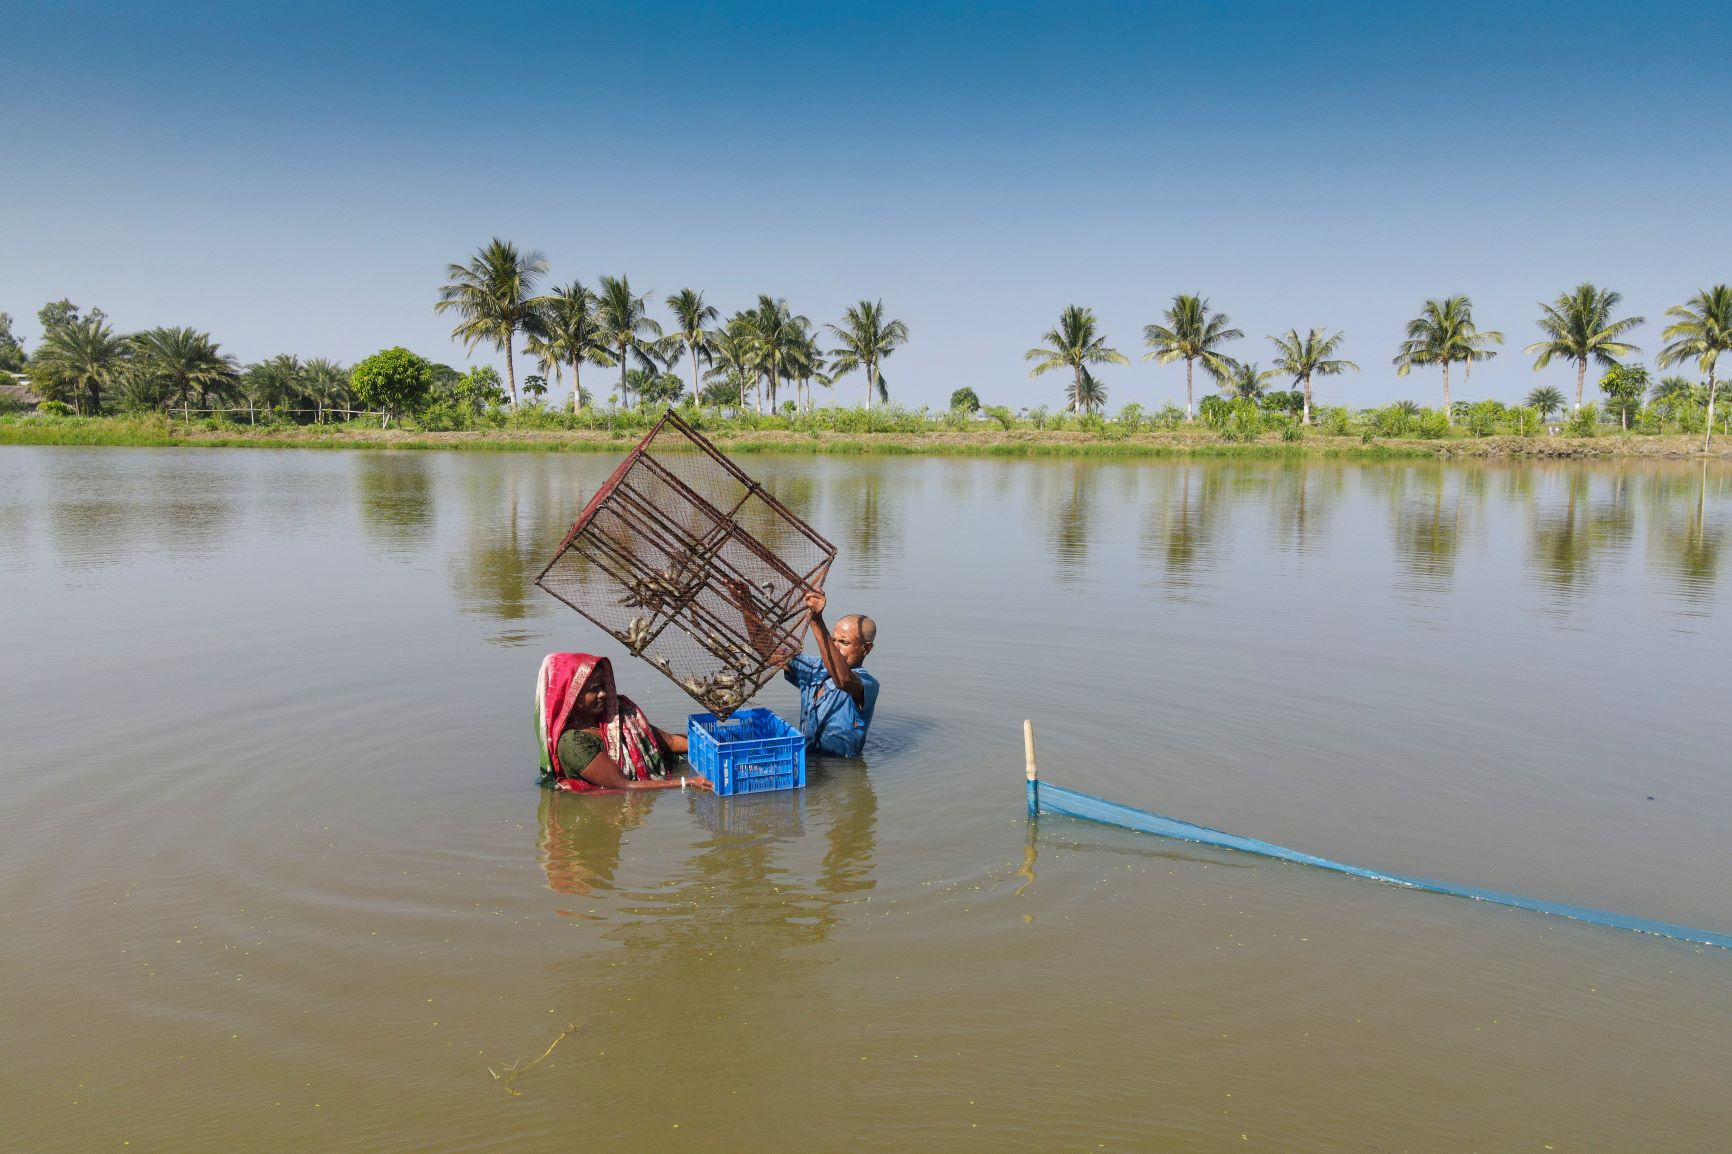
(760, 349)
(1580, 326)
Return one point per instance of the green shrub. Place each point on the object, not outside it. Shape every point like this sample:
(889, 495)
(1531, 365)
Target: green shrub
(1038, 417)
(1334, 419)
(965, 399)
(1292, 432)
(54, 409)
(1432, 425)
(1002, 415)
(1130, 418)
(1584, 422)
(1168, 416)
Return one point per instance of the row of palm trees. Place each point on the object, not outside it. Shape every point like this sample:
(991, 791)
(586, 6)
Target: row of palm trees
(1580, 326)
(494, 295)
(81, 360)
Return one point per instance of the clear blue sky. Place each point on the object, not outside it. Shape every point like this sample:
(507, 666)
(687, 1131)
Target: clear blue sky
(295, 177)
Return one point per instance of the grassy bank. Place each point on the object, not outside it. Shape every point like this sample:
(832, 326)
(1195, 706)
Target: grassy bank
(1199, 442)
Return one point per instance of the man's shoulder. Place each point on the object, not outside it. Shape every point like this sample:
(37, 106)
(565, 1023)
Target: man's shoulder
(801, 668)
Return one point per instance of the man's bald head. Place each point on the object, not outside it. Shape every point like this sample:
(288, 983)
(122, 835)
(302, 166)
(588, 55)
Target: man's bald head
(861, 624)
(853, 636)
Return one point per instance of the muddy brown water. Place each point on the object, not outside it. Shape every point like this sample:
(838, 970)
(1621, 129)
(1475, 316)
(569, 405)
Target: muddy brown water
(274, 874)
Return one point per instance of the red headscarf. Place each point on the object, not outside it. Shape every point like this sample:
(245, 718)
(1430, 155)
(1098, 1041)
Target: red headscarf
(625, 731)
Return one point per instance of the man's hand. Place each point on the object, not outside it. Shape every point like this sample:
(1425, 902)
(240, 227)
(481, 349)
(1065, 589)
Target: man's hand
(815, 602)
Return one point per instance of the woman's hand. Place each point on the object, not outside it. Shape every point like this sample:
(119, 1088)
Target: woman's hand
(699, 781)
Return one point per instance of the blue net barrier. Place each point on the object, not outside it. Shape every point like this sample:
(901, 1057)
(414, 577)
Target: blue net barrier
(1052, 799)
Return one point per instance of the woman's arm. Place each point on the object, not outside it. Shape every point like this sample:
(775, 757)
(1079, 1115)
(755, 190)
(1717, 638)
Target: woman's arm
(603, 771)
(672, 742)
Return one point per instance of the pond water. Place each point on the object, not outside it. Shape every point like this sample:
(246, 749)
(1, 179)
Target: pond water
(275, 874)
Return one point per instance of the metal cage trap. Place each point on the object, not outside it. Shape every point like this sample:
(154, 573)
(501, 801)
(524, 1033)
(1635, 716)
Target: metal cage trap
(693, 566)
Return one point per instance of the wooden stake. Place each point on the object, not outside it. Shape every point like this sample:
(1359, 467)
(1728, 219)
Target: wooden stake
(1032, 773)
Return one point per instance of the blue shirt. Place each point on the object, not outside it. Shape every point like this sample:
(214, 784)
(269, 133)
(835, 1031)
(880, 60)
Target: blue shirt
(829, 718)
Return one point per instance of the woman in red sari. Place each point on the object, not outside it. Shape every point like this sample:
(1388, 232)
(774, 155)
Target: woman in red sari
(592, 738)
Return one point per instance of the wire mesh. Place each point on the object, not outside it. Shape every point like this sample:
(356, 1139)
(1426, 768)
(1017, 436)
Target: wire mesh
(691, 565)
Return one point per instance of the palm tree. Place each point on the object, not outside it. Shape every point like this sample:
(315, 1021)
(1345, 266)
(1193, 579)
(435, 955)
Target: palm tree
(1194, 335)
(495, 295)
(1547, 400)
(275, 383)
(1579, 327)
(1476, 342)
(866, 338)
(625, 325)
(1442, 334)
(81, 356)
(1247, 382)
(566, 331)
(327, 384)
(691, 314)
(1086, 395)
(1071, 345)
(1308, 356)
(733, 359)
(776, 340)
(805, 361)
(182, 362)
(1700, 330)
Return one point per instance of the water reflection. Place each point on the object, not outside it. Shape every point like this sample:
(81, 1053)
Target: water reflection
(741, 889)
(869, 504)
(512, 523)
(1302, 499)
(109, 516)
(1685, 539)
(1074, 520)
(1183, 522)
(396, 496)
(1594, 524)
(1427, 516)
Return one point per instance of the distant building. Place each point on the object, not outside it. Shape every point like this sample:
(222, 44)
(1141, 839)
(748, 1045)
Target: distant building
(15, 393)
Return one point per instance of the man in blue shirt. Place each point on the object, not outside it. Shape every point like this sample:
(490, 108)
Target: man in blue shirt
(837, 696)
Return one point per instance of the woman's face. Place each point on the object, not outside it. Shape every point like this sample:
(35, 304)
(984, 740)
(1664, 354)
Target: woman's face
(592, 698)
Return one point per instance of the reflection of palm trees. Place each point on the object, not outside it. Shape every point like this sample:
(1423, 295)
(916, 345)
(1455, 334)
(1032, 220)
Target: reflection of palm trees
(396, 498)
(869, 509)
(1302, 503)
(1689, 542)
(510, 517)
(1568, 542)
(1183, 522)
(1427, 523)
(1074, 522)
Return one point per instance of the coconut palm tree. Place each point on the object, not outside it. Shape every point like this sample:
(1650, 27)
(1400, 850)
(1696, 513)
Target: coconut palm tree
(1579, 327)
(1547, 400)
(733, 360)
(626, 326)
(866, 338)
(78, 360)
(1443, 334)
(691, 314)
(777, 335)
(182, 362)
(568, 331)
(1075, 342)
(805, 362)
(1308, 356)
(1700, 331)
(494, 293)
(1476, 343)
(1247, 382)
(1192, 334)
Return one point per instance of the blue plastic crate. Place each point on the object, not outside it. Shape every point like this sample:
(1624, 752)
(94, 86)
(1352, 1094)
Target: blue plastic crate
(753, 751)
